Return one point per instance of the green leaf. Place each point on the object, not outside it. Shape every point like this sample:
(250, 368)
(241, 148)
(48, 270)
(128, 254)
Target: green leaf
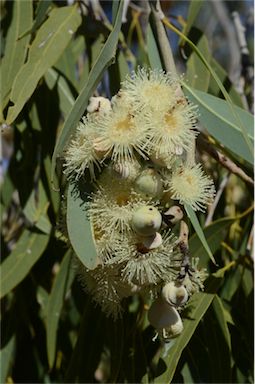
(50, 42)
(194, 221)
(214, 234)
(217, 117)
(36, 209)
(231, 106)
(79, 229)
(197, 75)
(15, 49)
(220, 313)
(223, 76)
(66, 99)
(153, 53)
(198, 305)
(6, 358)
(62, 284)
(194, 9)
(104, 59)
(18, 264)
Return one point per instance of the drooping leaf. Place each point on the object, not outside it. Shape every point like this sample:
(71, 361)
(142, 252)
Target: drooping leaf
(15, 49)
(153, 54)
(36, 209)
(7, 357)
(79, 229)
(197, 75)
(18, 264)
(214, 234)
(222, 319)
(231, 107)
(223, 76)
(49, 43)
(61, 285)
(194, 221)
(217, 117)
(194, 8)
(105, 58)
(199, 304)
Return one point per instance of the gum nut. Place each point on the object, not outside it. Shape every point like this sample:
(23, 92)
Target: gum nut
(152, 242)
(174, 295)
(146, 220)
(175, 329)
(161, 315)
(99, 104)
(175, 214)
(149, 183)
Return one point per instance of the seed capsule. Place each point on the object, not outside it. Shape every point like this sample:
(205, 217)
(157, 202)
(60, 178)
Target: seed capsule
(146, 220)
(175, 295)
(152, 242)
(149, 183)
(164, 317)
(174, 214)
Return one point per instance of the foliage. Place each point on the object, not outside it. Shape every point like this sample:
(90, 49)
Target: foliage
(55, 56)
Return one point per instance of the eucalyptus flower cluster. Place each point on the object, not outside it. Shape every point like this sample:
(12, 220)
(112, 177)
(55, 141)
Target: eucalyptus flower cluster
(136, 150)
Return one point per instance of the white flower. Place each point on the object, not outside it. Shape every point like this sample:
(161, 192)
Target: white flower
(81, 153)
(142, 266)
(151, 90)
(121, 134)
(190, 185)
(171, 131)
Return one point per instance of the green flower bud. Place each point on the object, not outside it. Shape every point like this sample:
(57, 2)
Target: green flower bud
(149, 184)
(146, 220)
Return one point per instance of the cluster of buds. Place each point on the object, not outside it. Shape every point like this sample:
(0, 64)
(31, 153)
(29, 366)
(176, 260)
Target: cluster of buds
(136, 150)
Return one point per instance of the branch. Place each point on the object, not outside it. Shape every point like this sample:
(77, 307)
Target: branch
(222, 159)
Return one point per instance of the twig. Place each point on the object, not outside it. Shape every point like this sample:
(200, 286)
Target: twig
(165, 47)
(212, 207)
(223, 160)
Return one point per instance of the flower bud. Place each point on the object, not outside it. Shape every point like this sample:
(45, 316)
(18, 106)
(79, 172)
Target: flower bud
(149, 183)
(99, 105)
(146, 220)
(163, 316)
(175, 295)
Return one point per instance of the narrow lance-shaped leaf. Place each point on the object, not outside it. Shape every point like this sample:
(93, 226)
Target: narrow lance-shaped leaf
(49, 43)
(79, 229)
(104, 59)
(16, 47)
(7, 357)
(217, 117)
(61, 285)
(154, 57)
(231, 106)
(194, 8)
(214, 234)
(194, 221)
(199, 304)
(18, 264)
